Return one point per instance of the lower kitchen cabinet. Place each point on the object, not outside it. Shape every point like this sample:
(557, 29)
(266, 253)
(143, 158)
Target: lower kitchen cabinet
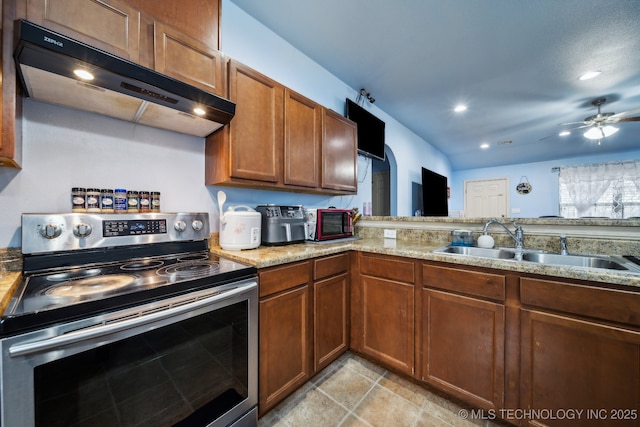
(304, 323)
(384, 305)
(330, 309)
(285, 332)
(463, 334)
(584, 359)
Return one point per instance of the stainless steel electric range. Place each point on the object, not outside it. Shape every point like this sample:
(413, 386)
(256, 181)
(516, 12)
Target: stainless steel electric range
(127, 320)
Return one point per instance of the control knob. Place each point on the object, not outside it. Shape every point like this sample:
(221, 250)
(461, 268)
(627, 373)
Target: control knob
(180, 226)
(82, 230)
(197, 225)
(50, 231)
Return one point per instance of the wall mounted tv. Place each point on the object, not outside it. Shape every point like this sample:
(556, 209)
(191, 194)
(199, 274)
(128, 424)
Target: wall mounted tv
(370, 130)
(434, 194)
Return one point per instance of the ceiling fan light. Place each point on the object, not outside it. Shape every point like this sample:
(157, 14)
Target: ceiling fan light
(597, 132)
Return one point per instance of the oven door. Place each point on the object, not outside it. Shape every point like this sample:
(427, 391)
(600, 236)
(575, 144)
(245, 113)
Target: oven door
(333, 224)
(187, 360)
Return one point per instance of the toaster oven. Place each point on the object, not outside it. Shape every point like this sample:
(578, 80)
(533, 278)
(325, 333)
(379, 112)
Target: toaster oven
(327, 224)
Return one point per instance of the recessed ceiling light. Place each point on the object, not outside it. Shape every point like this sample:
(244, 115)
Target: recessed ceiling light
(199, 111)
(460, 108)
(484, 145)
(564, 133)
(589, 75)
(83, 74)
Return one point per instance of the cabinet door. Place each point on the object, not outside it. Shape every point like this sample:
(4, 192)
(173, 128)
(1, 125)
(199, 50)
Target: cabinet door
(199, 19)
(331, 313)
(285, 357)
(256, 130)
(189, 60)
(302, 130)
(387, 325)
(110, 25)
(573, 364)
(10, 128)
(339, 147)
(463, 347)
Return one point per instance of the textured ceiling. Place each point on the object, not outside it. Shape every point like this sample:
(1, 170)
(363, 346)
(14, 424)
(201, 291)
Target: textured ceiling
(514, 62)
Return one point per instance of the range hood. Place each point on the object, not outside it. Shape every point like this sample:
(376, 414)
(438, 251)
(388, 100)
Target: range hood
(46, 62)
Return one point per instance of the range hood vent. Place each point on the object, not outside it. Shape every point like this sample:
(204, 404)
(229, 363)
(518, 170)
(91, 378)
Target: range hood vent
(46, 62)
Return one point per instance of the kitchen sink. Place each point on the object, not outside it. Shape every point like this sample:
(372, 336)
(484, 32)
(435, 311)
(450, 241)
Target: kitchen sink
(606, 262)
(542, 257)
(479, 252)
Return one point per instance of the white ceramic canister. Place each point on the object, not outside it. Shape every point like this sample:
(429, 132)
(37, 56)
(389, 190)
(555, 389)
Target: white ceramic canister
(240, 228)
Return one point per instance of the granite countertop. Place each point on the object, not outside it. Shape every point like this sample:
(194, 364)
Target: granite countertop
(265, 256)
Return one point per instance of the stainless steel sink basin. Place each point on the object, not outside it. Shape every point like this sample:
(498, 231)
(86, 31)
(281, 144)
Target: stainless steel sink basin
(606, 262)
(544, 258)
(500, 253)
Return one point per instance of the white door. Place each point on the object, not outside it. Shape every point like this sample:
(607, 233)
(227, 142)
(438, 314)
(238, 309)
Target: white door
(486, 198)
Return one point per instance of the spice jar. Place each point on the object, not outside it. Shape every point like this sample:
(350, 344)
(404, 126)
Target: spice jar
(145, 201)
(132, 202)
(78, 199)
(93, 200)
(106, 201)
(155, 201)
(120, 200)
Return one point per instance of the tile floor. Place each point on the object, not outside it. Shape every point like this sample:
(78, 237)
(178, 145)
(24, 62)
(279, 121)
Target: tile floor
(355, 392)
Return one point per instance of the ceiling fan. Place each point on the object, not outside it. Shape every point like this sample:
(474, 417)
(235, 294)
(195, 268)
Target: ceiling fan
(600, 125)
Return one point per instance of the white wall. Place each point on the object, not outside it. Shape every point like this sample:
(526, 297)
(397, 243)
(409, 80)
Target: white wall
(543, 200)
(63, 148)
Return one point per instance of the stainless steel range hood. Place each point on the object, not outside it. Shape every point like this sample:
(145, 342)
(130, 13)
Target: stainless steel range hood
(121, 89)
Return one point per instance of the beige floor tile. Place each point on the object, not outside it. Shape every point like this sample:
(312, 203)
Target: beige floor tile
(364, 367)
(380, 407)
(410, 391)
(346, 386)
(316, 409)
(353, 421)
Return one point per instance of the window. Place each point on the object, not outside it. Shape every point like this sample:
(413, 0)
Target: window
(610, 190)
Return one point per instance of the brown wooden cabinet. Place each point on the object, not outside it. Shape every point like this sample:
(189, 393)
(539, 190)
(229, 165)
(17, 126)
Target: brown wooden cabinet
(463, 334)
(248, 152)
(302, 134)
(111, 25)
(10, 137)
(278, 139)
(383, 307)
(285, 332)
(304, 312)
(339, 145)
(580, 350)
(330, 309)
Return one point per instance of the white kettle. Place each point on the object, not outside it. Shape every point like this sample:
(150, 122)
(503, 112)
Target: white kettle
(240, 228)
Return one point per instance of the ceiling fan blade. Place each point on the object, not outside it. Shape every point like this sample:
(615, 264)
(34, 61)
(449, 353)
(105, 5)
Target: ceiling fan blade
(618, 116)
(629, 119)
(572, 123)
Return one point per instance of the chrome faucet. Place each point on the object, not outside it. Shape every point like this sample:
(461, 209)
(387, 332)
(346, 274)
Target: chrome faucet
(563, 245)
(517, 235)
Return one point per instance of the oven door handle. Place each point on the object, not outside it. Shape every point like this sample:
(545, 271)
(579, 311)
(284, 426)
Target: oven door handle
(141, 319)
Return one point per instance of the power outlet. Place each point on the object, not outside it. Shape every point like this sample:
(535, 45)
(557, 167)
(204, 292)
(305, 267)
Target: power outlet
(389, 234)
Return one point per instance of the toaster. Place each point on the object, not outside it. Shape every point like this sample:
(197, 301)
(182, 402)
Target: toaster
(282, 225)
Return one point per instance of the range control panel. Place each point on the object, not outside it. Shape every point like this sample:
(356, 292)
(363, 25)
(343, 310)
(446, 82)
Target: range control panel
(74, 231)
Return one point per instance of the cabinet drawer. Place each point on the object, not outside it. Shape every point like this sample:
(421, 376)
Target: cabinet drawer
(330, 266)
(607, 304)
(467, 282)
(399, 269)
(277, 279)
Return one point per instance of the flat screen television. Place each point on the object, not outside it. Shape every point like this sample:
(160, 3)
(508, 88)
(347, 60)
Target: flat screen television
(434, 194)
(370, 130)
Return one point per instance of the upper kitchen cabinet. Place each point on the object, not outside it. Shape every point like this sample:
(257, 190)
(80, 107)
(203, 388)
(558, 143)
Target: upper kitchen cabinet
(109, 25)
(177, 39)
(339, 145)
(10, 141)
(280, 140)
(302, 133)
(248, 152)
